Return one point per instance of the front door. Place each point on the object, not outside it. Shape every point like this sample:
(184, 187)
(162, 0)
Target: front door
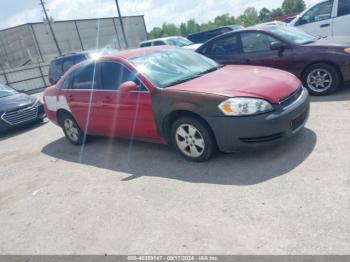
(124, 114)
(256, 50)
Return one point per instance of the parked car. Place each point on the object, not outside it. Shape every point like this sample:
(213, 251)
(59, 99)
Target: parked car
(176, 96)
(61, 64)
(323, 65)
(327, 18)
(18, 109)
(178, 41)
(204, 36)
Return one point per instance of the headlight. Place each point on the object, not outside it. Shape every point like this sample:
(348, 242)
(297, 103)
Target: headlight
(244, 106)
(347, 50)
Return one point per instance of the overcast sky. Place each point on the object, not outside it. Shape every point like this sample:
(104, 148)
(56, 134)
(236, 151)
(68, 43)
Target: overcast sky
(14, 12)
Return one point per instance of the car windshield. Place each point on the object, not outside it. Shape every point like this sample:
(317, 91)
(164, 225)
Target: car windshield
(6, 91)
(179, 41)
(293, 34)
(173, 66)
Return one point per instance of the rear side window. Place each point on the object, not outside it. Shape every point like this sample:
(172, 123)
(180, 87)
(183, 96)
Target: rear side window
(156, 43)
(146, 44)
(71, 61)
(256, 42)
(225, 46)
(343, 7)
(55, 71)
(114, 74)
(85, 77)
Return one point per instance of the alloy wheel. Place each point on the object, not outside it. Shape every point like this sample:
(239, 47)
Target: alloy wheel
(190, 141)
(71, 130)
(319, 80)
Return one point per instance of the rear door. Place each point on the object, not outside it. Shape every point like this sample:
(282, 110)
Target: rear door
(342, 20)
(124, 114)
(318, 20)
(224, 50)
(79, 89)
(256, 50)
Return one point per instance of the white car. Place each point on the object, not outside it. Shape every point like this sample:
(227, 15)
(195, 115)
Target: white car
(178, 41)
(327, 18)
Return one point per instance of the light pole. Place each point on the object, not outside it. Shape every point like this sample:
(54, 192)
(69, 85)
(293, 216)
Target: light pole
(51, 29)
(122, 24)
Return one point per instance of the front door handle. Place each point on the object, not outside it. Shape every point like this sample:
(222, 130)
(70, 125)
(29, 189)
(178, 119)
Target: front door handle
(325, 25)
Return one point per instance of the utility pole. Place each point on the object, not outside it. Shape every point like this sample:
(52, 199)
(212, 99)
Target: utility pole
(51, 29)
(122, 24)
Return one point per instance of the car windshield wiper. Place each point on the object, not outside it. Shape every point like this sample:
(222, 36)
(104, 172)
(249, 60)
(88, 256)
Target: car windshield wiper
(211, 70)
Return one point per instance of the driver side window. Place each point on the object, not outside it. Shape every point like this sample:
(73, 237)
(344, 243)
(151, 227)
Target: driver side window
(320, 12)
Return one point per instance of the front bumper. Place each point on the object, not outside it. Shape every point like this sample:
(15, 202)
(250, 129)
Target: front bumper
(241, 133)
(6, 125)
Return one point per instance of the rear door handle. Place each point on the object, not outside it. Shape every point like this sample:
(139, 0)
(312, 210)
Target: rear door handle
(71, 98)
(325, 25)
(107, 99)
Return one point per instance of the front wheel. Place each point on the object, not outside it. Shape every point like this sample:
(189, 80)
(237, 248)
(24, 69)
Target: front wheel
(321, 79)
(193, 139)
(71, 130)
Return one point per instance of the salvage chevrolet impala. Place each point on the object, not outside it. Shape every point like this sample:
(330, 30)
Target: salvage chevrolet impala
(175, 96)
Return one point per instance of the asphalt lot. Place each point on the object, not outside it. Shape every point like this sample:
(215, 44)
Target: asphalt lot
(118, 197)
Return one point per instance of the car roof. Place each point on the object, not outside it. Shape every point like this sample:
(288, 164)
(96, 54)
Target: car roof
(160, 39)
(233, 27)
(132, 53)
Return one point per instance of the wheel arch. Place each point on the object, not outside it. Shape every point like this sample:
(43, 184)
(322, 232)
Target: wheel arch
(176, 114)
(59, 114)
(330, 63)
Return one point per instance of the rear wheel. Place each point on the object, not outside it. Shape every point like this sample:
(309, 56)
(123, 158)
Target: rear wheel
(71, 129)
(321, 79)
(193, 139)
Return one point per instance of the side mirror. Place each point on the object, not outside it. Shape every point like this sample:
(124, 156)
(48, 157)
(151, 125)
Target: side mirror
(128, 86)
(278, 45)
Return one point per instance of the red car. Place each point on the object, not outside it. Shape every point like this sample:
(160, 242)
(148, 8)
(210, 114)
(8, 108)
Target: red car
(175, 96)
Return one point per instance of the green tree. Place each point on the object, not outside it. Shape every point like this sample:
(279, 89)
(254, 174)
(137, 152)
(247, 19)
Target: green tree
(276, 13)
(250, 17)
(293, 6)
(192, 26)
(264, 15)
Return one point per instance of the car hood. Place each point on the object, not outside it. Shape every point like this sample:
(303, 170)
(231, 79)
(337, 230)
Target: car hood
(248, 81)
(336, 42)
(193, 46)
(16, 101)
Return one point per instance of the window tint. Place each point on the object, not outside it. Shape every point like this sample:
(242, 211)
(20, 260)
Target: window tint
(146, 44)
(114, 74)
(71, 61)
(158, 43)
(256, 42)
(85, 77)
(55, 71)
(320, 12)
(343, 7)
(225, 46)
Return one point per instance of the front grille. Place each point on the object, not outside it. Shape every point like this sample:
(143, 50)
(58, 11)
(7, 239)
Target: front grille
(291, 99)
(262, 139)
(299, 121)
(20, 116)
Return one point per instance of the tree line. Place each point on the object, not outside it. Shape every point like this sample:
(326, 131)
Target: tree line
(250, 16)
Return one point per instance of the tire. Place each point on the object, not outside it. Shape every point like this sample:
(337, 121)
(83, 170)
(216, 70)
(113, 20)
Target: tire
(321, 79)
(71, 129)
(193, 139)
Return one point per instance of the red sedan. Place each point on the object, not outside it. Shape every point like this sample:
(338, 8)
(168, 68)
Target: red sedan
(179, 97)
